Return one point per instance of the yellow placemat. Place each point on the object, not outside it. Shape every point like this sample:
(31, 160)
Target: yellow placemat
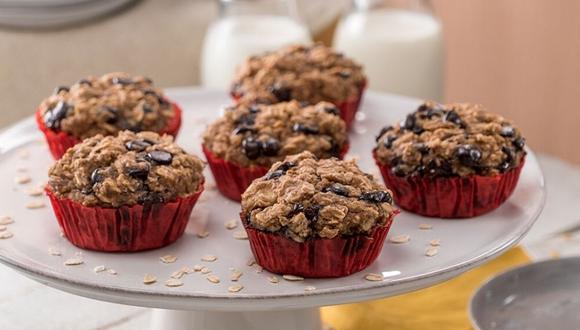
(443, 306)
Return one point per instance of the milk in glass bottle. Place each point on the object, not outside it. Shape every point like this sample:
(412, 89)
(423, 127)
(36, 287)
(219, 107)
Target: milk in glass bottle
(400, 44)
(245, 28)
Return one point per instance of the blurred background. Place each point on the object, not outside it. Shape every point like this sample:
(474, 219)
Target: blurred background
(519, 57)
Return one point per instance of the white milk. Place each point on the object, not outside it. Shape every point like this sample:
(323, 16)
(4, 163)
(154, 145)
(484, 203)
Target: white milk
(230, 40)
(402, 51)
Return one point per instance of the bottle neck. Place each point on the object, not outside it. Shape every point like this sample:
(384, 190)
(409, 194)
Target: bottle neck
(415, 5)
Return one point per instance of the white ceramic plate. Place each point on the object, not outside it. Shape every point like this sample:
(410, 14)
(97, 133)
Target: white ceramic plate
(464, 243)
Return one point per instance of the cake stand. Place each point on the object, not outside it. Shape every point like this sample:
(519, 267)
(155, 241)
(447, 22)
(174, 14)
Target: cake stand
(38, 250)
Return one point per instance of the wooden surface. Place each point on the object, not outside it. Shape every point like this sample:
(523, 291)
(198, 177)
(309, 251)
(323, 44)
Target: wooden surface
(519, 58)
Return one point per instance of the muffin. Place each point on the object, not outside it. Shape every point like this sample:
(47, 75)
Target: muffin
(243, 144)
(316, 217)
(104, 105)
(130, 192)
(305, 73)
(451, 161)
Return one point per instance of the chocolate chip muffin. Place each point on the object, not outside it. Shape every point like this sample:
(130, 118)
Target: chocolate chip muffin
(251, 137)
(105, 105)
(130, 192)
(448, 141)
(127, 169)
(305, 73)
(451, 140)
(304, 199)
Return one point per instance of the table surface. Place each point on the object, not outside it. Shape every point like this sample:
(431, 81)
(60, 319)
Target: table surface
(22, 296)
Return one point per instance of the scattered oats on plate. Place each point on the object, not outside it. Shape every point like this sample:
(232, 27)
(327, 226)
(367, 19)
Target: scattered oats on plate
(292, 278)
(203, 234)
(213, 278)
(240, 234)
(35, 192)
(177, 274)
(374, 277)
(205, 270)
(235, 288)
(3, 228)
(22, 179)
(251, 262)
(6, 235)
(231, 224)
(236, 274)
(168, 259)
(111, 271)
(273, 279)
(309, 288)
(431, 251)
(425, 226)
(435, 242)
(99, 269)
(399, 239)
(209, 258)
(149, 279)
(35, 205)
(6, 220)
(74, 262)
(172, 283)
(54, 252)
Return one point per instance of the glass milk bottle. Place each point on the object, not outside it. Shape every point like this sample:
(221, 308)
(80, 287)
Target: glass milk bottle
(245, 28)
(400, 43)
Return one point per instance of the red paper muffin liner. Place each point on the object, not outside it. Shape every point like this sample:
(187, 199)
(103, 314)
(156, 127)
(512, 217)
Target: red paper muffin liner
(232, 179)
(454, 197)
(348, 107)
(59, 142)
(319, 257)
(123, 229)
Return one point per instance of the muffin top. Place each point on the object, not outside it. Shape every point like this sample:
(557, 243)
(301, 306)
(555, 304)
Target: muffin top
(305, 73)
(450, 140)
(127, 169)
(262, 134)
(106, 105)
(304, 197)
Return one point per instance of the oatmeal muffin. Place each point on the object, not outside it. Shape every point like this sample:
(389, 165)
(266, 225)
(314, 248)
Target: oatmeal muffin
(305, 73)
(316, 217)
(104, 105)
(454, 160)
(129, 192)
(243, 144)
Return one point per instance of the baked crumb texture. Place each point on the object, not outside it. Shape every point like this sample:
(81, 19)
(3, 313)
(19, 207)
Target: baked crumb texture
(448, 140)
(128, 169)
(260, 134)
(106, 105)
(305, 73)
(304, 197)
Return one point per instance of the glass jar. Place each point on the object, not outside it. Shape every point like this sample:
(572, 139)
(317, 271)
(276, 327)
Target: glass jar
(245, 28)
(399, 42)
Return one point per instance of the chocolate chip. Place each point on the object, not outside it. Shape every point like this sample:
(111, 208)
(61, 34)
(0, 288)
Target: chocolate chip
(509, 159)
(409, 122)
(85, 82)
(439, 168)
(418, 129)
(344, 74)
(421, 147)
(247, 119)
(254, 108)
(121, 81)
(150, 198)
(251, 147)
(376, 197)
(519, 143)
(302, 128)
(60, 89)
(274, 175)
(96, 176)
(53, 117)
(285, 166)
(337, 189)
(382, 132)
(507, 131)
(147, 109)
(282, 93)
(398, 170)
(137, 145)
(140, 173)
(388, 141)
(333, 110)
(335, 149)
(270, 147)
(423, 107)
(112, 114)
(468, 155)
(160, 157)
(452, 117)
(243, 129)
(311, 212)
(297, 208)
